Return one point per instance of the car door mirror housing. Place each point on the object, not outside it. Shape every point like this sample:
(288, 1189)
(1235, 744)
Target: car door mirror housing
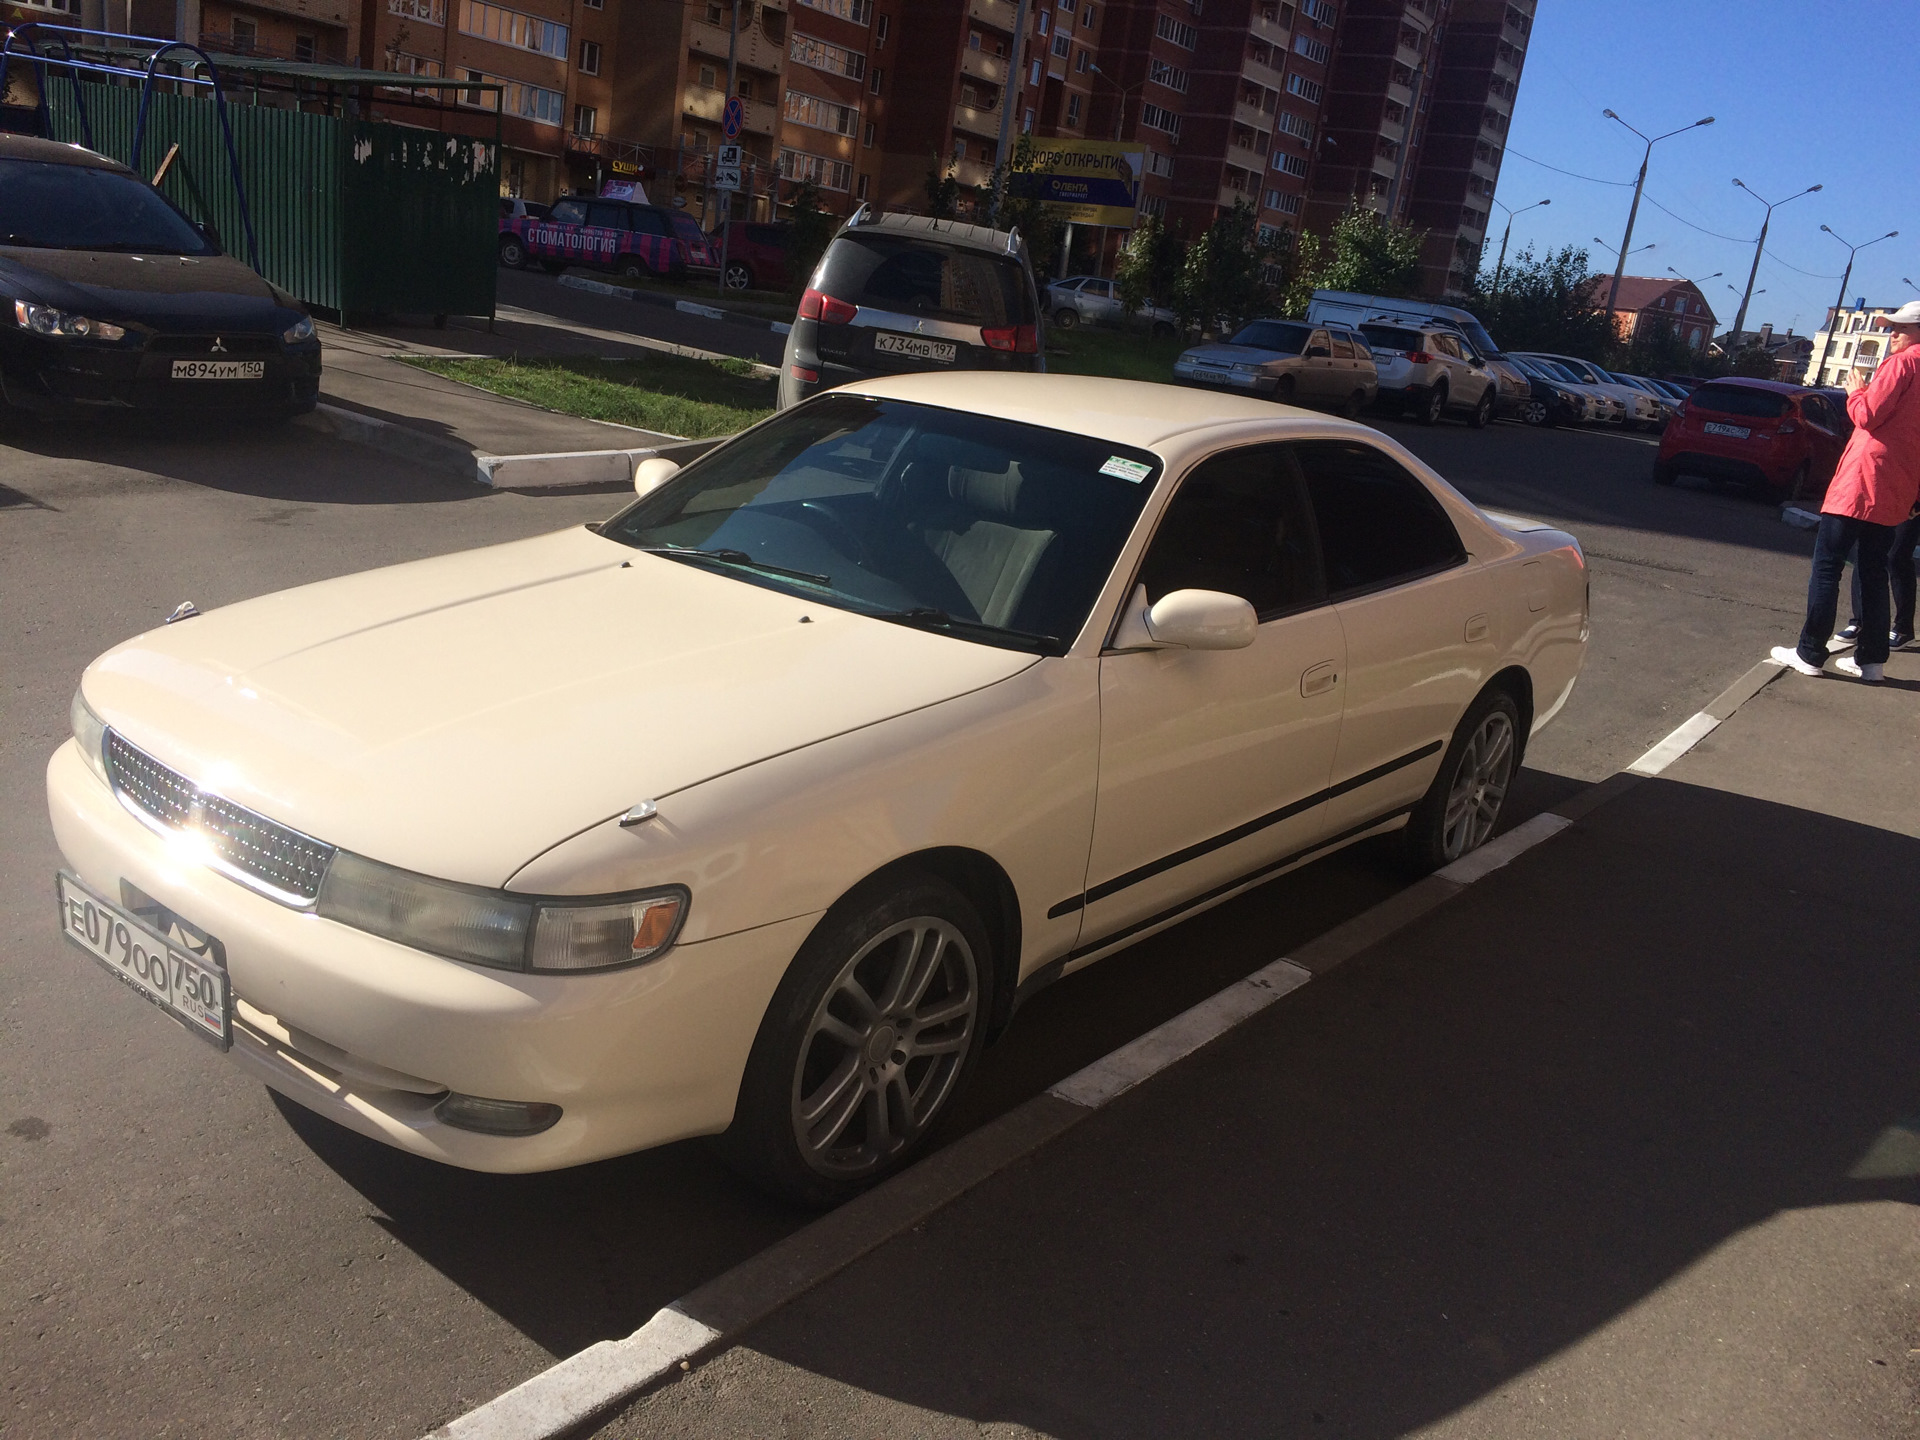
(653, 472)
(1477, 363)
(1318, 352)
(1201, 620)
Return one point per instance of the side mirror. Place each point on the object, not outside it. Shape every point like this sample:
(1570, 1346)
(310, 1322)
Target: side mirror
(1319, 352)
(653, 472)
(1187, 620)
(1477, 363)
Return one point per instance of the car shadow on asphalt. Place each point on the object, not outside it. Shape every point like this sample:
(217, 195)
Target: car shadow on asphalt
(588, 1254)
(1482, 1141)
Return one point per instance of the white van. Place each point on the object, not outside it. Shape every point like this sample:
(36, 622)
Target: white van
(1347, 307)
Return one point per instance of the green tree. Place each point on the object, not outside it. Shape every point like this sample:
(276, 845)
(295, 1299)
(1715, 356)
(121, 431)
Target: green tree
(1753, 361)
(1367, 253)
(813, 229)
(1020, 208)
(1545, 303)
(1224, 280)
(1149, 267)
(943, 190)
(1655, 349)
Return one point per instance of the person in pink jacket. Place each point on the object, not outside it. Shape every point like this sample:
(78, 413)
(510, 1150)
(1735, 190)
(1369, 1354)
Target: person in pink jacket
(1875, 488)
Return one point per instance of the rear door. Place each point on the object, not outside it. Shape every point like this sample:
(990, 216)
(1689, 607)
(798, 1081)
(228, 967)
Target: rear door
(605, 235)
(923, 305)
(1319, 379)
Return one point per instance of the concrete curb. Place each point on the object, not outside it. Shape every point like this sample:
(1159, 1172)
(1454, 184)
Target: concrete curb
(686, 307)
(391, 438)
(587, 1385)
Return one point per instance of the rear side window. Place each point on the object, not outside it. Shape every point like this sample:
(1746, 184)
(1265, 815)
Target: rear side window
(570, 212)
(1738, 400)
(1379, 525)
(1391, 337)
(1238, 524)
(913, 277)
(1273, 335)
(607, 217)
(649, 222)
(1342, 346)
(766, 235)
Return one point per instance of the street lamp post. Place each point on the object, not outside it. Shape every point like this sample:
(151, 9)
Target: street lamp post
(1740, 320)
(1845, 275)
(1011, 89)
(1501, 263)
(1120, 107)
(1696, 285)
(1909, 284)
(1613, 294)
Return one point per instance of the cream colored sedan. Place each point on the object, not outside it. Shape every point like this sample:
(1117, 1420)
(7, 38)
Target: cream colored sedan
(757, 809)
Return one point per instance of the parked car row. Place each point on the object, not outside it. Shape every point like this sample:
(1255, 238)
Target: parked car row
(629, 238)
(1091, 299)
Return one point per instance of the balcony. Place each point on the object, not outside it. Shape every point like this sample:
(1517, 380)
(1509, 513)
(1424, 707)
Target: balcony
(1229, 196)
(1265, 75)
(1272, 31)
(996, 14)
(1401, 95)
(1252, 116)
(1246, 159)
(976, 121)
(979, 65)
(1408, 56)
(705, 104)
(756, 52)
(973, 172)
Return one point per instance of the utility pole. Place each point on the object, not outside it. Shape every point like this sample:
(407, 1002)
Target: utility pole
(1626, 243)
(1501, 264)
(1820, 365)
(1010, 90)
(1740, 320)
(726, 196)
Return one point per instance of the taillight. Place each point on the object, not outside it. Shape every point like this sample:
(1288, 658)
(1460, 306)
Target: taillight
(1018, 339)
(800, 372)
(818, 305)
(1419, 357)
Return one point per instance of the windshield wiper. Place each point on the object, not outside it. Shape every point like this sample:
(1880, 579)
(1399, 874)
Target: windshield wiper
(734, 557)
(927, 617)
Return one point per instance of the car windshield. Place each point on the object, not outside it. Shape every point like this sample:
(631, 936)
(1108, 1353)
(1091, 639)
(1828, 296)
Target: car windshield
(1274, 335)
(920, 277)
(1739, 400)
(83, 207)
(977, 527)
(1392, 337)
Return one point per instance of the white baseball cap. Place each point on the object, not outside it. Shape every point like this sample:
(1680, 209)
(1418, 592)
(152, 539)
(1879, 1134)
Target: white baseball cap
(1907, 314)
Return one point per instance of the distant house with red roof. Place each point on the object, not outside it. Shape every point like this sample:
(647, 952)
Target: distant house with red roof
(1644, 300)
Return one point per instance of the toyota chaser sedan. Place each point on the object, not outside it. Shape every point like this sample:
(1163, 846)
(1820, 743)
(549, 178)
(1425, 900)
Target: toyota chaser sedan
(755, 810)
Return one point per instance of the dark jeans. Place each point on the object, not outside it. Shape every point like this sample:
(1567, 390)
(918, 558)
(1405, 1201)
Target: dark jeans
(1836, 536)
(1900, 572)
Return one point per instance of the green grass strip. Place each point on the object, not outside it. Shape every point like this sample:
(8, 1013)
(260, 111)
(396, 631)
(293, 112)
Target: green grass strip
(666, 393)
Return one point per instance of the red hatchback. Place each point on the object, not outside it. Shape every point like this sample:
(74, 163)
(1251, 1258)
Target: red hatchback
(1783, 439)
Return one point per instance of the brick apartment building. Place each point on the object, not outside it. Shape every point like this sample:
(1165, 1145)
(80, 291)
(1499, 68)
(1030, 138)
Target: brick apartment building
(1647, 299)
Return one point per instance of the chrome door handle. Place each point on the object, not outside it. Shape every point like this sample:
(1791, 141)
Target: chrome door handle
(1476, 628)
(1319, 679)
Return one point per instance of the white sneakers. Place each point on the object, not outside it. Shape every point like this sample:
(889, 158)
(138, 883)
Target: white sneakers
(1790, 658)
(1871, 673)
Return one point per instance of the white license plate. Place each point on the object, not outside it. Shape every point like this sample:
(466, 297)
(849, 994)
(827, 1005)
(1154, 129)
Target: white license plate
(190, 989)
(1732, 432)
(917, 346)
(219, 369)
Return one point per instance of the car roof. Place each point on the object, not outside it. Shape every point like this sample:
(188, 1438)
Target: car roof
(55, 152)
(1128, 412)
(958, 232)
(1748, 382)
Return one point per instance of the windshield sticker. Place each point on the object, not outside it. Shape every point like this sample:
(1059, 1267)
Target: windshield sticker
(1126, 469)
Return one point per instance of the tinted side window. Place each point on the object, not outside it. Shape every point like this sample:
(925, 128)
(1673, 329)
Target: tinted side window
(570, 212)
(1738, 400)
(607, 217)
(651, 222)
(1378, 525)
(914, 277)
(1447, 345)
(1342, 347)
(1238, 524)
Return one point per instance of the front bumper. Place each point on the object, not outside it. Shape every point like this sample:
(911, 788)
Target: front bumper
(1262, 385)
(39, 373)
(370, 1033)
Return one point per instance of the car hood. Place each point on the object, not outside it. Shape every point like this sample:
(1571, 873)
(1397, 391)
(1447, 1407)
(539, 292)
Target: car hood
(458, 716)
(168, 292)
(1234, 355)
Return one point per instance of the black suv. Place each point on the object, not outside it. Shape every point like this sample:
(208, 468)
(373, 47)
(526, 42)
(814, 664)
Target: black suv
(897, 293)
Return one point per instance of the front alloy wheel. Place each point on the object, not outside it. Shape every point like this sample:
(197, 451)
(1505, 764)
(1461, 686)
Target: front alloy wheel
(1535, 413)
(1462, 806)
(739, 277)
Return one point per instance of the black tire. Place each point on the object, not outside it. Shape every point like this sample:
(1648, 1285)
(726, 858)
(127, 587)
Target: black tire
(1663, 473)
(1356, 402)
(872, 937)
(1434, 406)
(1066, 317)
(1162, 330)
(1483, 412)
(513, 254)
(1433, 836)
(739, 275)
(1283, 391)
(1537, 414)
(634, 270)
(1800, 487)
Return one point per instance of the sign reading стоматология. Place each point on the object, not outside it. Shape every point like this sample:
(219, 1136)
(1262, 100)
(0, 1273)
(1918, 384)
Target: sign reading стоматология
(1093, 182)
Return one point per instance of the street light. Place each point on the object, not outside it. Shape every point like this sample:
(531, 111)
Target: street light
(1120, 109)
(1501, 263)
(1759, 245)
(1908, 283)
(1845, 275)
(1613, 294)
(1623, 254)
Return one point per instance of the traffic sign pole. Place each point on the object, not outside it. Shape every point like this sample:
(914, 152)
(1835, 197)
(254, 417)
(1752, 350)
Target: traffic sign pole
(731, 113)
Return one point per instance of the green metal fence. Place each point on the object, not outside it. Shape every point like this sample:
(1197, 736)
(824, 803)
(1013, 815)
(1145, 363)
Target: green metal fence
(360, 217)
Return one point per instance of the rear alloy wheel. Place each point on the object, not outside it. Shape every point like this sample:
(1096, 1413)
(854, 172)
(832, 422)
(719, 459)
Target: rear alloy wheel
(1066, 318)
(1483, 412)
(1435, 407)
(1355, 403)
(739, 277)
(633, 270)
(868, 1037)
(1283, 391)
(1536, 414)
(512, 253)
(1462, 806)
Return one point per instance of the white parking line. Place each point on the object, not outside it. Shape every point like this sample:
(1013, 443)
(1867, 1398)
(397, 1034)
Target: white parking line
(1683, 739)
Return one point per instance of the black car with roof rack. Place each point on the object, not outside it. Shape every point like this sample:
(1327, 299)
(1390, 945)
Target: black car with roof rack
(899, 293)
(110, 297)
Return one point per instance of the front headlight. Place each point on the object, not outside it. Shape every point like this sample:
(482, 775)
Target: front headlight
(494, 928)
(63, 324)
(1245, 369)
(89, 733)
(301, 329)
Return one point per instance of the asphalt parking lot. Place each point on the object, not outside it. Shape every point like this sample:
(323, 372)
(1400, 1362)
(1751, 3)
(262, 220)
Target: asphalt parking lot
(185, 1256)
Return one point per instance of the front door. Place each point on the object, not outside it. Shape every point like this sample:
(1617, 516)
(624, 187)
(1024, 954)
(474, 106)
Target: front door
(1214, 764)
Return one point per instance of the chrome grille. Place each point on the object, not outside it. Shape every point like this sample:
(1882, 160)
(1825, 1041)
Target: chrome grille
(278, 862)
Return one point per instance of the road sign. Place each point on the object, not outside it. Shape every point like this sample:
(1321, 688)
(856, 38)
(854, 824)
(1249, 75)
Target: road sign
(733, 117)
(726, 168)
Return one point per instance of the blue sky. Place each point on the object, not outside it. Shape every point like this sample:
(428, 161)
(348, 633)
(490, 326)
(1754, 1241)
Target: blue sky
(1795, 104)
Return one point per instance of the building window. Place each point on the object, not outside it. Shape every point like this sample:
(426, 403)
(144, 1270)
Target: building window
(827, 173)
(709, 77)
(1319, 11)
(433, 12)
(589, 57)
(1026, 122)
(1307, 90)
(1045, 26)
(245, 34)
(1159, 164)
(1156, 118)
(1073, 109)
(1161, 73)
(1295, 165)
(879, 31)
(867, 139)
(1087, 18)
(821, 113)
(1080, 63)
(303, 47)
(594, 4)
(1292, 124)
(858, 11)
(1062, 45)
(1177, 32)
(401, 63)
(860, 191)
(716, 15)
(586, 120)
(473, 97)
(879, 78)
(1289, 205)
(510, 27)
(1315, 50)
(835, 59)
